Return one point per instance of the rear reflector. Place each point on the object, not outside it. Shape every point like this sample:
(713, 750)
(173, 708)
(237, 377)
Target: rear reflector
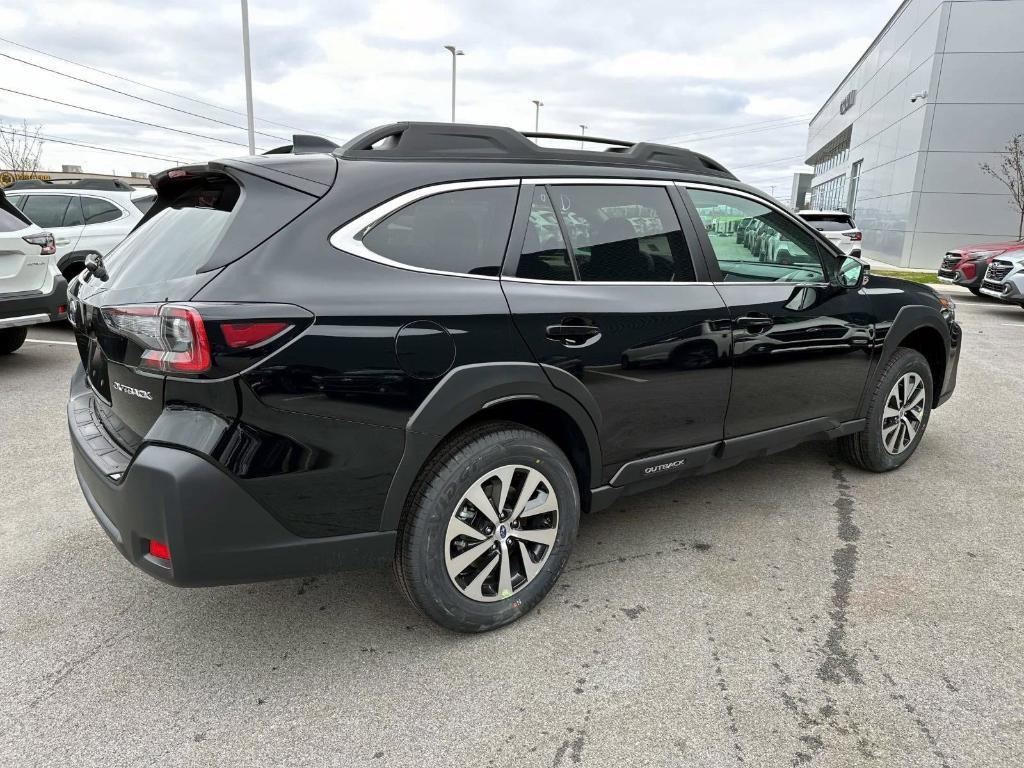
(159, 549)
(238, 335)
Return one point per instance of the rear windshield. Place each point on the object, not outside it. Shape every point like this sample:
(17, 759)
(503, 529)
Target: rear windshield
(829, 222)
(11, 219)
(177, 240)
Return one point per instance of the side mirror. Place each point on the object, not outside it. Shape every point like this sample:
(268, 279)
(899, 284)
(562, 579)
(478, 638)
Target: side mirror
(853, 273)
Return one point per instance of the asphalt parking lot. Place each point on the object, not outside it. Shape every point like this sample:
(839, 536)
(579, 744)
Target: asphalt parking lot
(786, 612)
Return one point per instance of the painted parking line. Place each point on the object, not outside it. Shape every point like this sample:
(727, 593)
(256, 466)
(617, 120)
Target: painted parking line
(53, 341)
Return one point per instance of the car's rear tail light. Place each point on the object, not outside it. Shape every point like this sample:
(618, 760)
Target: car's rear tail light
(855, 235)
(44, 239)
(240, 335)
(206, 340)
(159, 549)
(173, 336)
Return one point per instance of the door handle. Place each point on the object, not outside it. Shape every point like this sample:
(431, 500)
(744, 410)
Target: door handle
(755, 322)
(573, 335)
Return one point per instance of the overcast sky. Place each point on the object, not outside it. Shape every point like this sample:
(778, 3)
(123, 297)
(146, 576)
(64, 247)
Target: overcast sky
(672, 71)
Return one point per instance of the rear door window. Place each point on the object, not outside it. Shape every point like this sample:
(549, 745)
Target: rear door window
(623, 233)
(465, 231)
(545, 255)
(73, 216)
(99, 211)
(47, 211)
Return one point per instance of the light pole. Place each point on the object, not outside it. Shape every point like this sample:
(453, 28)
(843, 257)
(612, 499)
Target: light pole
(537, 103)
(248, 76)
(583, 130)
(454, 52)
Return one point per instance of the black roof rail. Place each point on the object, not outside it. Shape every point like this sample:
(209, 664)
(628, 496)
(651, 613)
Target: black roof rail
(304, 144)
(109, 185)
(458, 141)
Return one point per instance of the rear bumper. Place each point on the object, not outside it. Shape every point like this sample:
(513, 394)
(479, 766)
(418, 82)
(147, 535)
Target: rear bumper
(34, 307)
(216, 532)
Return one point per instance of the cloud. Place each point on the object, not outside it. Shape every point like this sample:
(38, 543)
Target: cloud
(659, 69)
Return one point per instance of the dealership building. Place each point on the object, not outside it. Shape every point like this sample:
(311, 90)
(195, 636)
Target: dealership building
(900, 141)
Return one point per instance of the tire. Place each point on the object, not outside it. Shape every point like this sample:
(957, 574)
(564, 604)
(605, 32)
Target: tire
(478, 459)
(975, 291)
(11, 339)
(868, 449)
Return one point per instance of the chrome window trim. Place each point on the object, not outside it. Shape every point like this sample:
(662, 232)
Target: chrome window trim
(602, 283)
(349, 238)
(606, 182)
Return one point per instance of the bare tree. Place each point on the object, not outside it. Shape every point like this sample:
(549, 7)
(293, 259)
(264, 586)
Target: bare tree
(1011, 174)
(20, 148)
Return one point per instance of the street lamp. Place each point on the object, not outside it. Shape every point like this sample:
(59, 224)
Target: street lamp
(583, 130)
(536, 115)
(454, 52)
(248, 76)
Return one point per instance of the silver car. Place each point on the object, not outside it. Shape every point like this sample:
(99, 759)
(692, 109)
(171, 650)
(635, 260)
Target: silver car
(1004, 279)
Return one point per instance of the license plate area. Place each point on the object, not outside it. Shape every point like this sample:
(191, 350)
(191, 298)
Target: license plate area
(96, 371)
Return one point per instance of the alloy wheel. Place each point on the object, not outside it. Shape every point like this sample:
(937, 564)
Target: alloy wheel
(501, 533)
(903, 415)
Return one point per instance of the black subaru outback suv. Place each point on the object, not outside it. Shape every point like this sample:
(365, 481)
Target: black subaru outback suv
(438, 345)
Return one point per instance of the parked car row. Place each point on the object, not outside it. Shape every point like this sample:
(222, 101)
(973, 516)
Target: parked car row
(992, 269)
(47, 232)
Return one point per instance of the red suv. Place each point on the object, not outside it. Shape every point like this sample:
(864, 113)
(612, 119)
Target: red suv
(966, 266)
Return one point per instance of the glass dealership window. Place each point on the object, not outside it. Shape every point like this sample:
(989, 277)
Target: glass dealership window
(830, 194)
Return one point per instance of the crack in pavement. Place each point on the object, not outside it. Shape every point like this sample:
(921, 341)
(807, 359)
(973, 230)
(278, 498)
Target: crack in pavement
(723, 688)
(840, 663)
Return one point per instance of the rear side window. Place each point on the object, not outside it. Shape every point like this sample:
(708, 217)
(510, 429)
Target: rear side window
(99, 211)
(828, 222)
(47, 211)
(622, 233)
(177, 241)
(464, 231)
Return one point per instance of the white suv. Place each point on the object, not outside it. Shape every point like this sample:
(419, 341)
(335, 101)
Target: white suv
(837, 226)
(86, 216)
(32, 289)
